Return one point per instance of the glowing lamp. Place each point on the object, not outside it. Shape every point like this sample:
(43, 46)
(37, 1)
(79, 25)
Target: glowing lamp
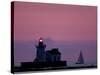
(41, 40)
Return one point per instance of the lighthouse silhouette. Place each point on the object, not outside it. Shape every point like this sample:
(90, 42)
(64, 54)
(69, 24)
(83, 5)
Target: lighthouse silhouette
(44, 58)
(40, 54)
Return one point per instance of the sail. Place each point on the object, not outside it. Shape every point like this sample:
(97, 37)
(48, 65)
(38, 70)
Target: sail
(80, 59)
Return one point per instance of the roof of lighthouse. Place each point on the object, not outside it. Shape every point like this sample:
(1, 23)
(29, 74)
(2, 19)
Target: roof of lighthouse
(54, 51)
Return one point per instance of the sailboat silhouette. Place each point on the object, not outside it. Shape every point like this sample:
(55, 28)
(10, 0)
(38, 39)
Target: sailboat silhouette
(80, 59)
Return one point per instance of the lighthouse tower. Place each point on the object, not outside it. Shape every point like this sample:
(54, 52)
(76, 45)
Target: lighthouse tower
(40, 53)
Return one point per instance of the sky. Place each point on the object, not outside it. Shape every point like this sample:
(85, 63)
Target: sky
(70, 28)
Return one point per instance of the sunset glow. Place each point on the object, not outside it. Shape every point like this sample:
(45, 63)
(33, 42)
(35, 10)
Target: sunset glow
(70, 28)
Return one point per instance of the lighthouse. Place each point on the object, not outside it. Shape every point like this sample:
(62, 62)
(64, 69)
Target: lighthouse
(40, 51)
(44, 58)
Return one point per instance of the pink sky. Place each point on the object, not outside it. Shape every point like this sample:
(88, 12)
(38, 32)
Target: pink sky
(56, 21)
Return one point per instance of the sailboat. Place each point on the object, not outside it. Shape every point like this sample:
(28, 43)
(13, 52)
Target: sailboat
(80, 59)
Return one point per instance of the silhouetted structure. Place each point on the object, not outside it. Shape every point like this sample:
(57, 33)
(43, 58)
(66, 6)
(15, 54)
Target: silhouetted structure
(80, 59)
(40, 54)
(53, 55)
(44, 59)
